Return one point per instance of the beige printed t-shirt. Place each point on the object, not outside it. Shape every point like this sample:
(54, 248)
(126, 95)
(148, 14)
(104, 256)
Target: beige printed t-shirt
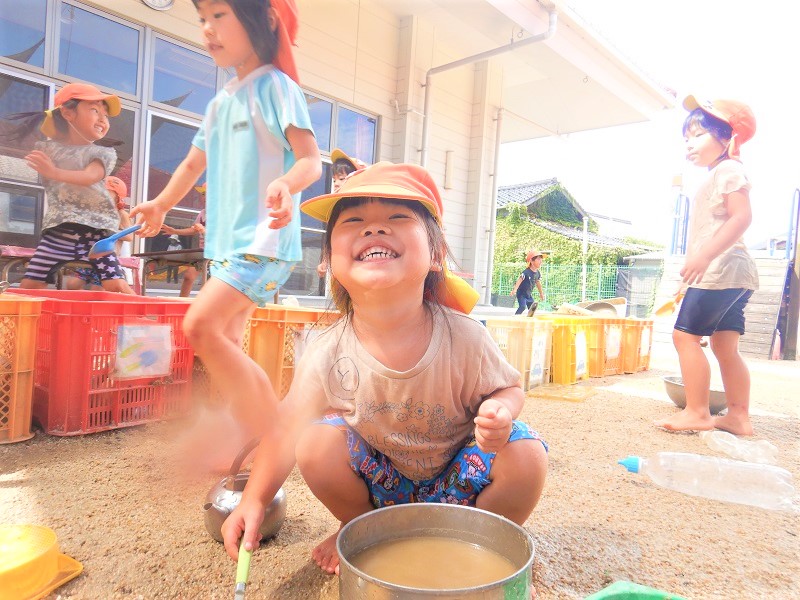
(734, 268)
(418, 418)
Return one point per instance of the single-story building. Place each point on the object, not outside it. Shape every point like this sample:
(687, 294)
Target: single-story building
(432, 82)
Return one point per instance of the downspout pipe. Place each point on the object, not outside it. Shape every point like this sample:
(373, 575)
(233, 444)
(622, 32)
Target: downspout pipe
(487, 295)
(553, 20)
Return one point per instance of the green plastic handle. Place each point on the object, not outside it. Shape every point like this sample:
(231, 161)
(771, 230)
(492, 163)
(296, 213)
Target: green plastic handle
(243, 565)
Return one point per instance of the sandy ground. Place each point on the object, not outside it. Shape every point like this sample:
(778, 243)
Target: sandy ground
(118, 506)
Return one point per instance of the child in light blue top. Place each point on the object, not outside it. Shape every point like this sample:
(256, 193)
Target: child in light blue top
(258, 148)
(248, 113)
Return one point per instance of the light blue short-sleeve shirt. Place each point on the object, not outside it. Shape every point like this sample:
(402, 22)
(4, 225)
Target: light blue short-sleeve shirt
(244, 137)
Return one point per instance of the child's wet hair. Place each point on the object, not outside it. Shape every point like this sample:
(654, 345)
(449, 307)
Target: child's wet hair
(29, 123)
(718, 128)
(343, 167)
(254, 17)
(436, 240)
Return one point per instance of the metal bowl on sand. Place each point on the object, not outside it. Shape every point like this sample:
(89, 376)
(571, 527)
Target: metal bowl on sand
(677, 393)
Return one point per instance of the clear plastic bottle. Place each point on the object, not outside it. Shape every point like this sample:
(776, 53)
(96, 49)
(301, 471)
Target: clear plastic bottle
(756, 451)
(765, 486)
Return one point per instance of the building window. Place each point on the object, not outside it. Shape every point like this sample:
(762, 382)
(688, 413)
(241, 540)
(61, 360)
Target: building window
(19, 96)
(22, 31)
(183, 78)
(170, 140)
(86, 51)
(20, 214)
(123, 129)
(356, 134)
(21, 195)
(321, 112)
(162, 105)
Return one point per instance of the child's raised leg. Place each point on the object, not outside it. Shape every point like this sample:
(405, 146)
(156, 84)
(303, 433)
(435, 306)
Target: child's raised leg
(735, 380)
(214, 325)
(32, 284)
(117, 285)
(323, 457)
(696, 374)
(517, 479)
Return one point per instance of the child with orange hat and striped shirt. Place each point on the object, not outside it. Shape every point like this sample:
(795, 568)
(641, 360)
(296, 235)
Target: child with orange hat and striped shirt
(405, 398)
(719, 275)
(73, 163)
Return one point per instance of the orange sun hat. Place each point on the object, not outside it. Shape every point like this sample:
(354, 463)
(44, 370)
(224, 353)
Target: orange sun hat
(356, 163)
(398, 182)
(736, 114)
(77, 91)
(533, 254)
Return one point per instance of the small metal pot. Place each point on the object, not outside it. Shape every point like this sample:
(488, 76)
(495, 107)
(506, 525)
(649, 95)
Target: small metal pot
(226, 495)
(462, 523)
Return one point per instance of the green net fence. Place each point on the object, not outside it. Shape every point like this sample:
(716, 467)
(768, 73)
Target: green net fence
(565, 284)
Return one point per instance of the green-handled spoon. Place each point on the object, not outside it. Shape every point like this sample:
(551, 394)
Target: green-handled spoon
(242, 571)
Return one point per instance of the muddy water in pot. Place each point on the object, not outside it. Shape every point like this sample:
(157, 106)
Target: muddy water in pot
(426, 526)
(437, 563)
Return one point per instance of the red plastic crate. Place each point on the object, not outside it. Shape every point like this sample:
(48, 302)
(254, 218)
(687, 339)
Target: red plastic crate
(74, 392)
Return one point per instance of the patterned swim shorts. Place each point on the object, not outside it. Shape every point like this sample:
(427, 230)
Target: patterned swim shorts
(459, 483)
(257, 277)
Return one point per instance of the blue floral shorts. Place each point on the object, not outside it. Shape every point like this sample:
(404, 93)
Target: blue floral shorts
(459, 483)
(257, 277)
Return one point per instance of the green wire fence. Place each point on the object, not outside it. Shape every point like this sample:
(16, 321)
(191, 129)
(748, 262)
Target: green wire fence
(564, 284)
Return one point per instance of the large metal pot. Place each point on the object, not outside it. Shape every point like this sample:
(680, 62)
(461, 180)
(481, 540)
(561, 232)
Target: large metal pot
(462, 523)
(226, 495)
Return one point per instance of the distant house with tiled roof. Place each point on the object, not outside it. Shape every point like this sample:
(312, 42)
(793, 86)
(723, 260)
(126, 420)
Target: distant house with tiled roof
(552, 207)
(538, 196)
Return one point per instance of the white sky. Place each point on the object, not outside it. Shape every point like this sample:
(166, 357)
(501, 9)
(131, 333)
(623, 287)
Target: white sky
(744, 50)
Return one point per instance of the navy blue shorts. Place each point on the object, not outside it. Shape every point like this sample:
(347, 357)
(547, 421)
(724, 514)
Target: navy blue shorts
(704, 312)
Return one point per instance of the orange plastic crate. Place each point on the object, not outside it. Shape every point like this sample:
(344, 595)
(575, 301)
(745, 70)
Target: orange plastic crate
(74, 392)
(604, 338)
(19, 319)
(276, 335)
(637, 344)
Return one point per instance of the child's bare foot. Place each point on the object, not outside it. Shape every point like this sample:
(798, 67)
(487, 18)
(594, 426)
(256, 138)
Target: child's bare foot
(686, 421)
(733, 424)
(326, 556)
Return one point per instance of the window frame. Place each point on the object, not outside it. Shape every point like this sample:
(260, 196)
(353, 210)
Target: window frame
(144, 107)
(140, 58)
(37, 188)
(151, 75)
(48, 42)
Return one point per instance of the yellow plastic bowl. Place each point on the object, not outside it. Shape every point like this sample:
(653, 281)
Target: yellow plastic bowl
(31, 565)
